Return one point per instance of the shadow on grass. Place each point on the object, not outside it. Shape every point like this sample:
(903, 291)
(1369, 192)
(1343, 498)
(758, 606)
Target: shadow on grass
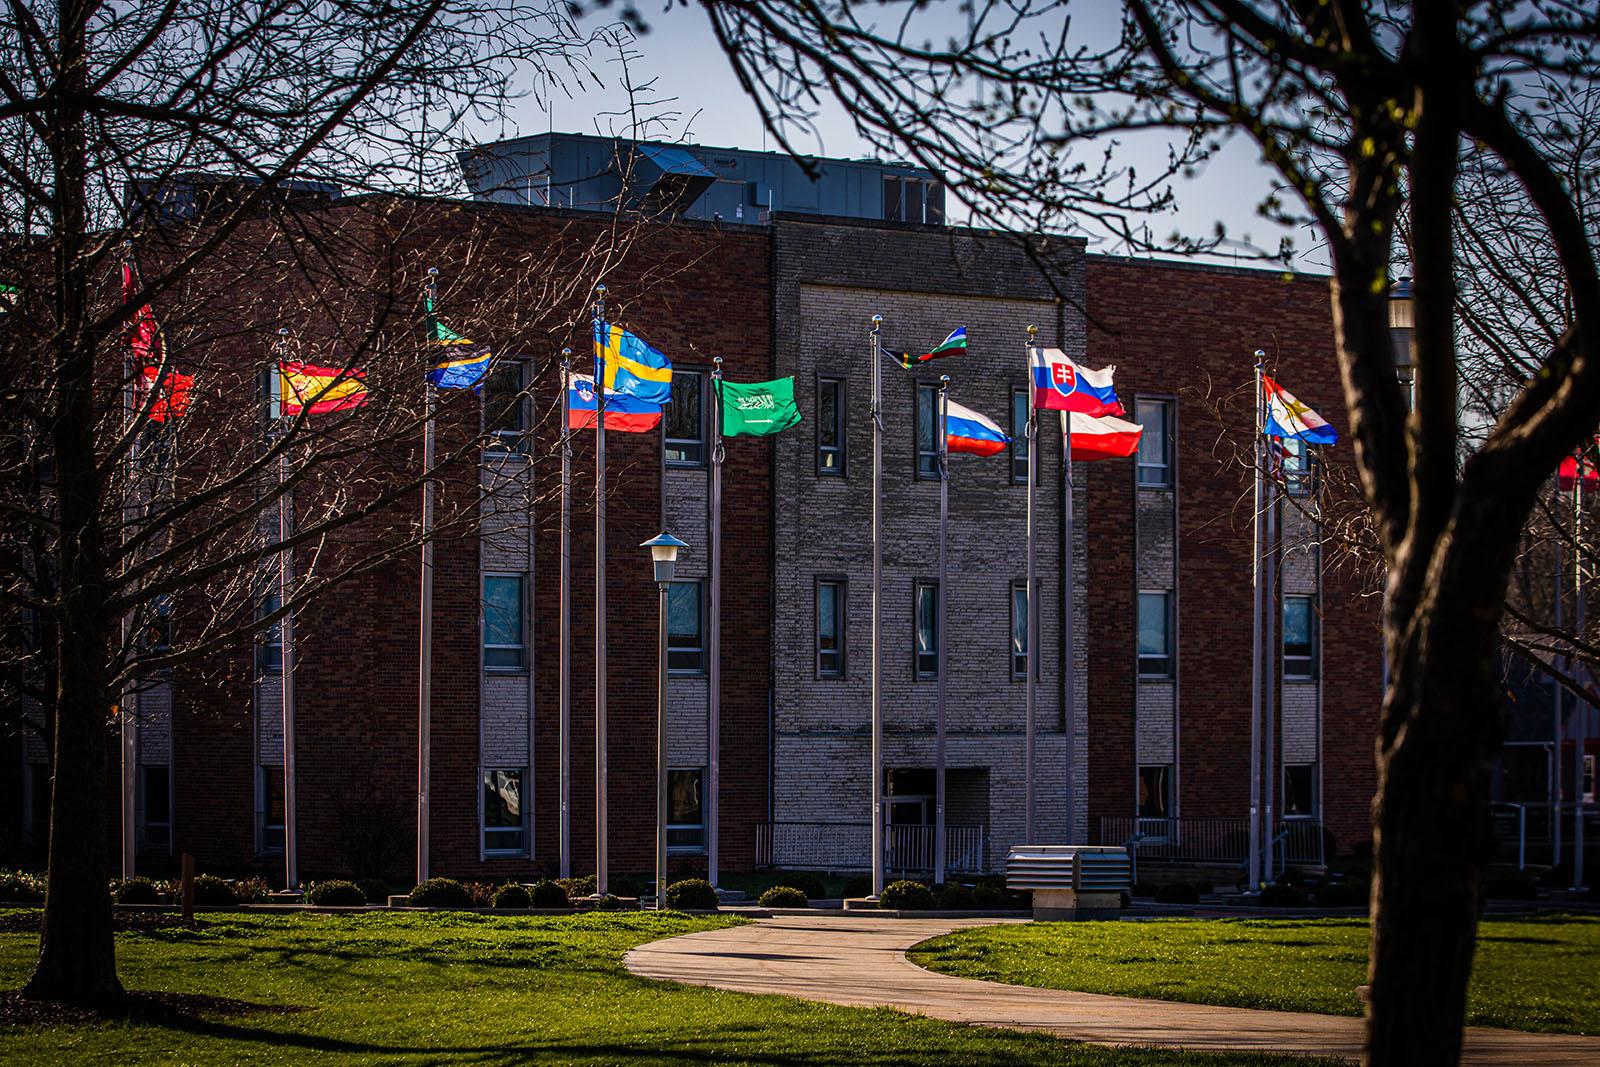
(141, 1006)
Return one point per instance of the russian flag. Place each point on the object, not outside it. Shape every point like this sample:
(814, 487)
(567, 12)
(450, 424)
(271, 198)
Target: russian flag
(625, 413)
(1059, 384)
(1288, 417)
(967, 431)
(1106, 437)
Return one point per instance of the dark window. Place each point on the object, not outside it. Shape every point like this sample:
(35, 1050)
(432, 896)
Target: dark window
(1155, 792)
(156, 798)
(1299, 790)
(505, 409)
(1019, 436)
(504, 828)
(1019, 629)
(892, 200)
(927, 610)
(927, 430)
(271, 809)
(158, 634)
(1299, 466)
(1155, 635)
(830, 426)
(935, 203)
(1155, 444)
(913, 198)
(830, 628)
(686, 821)
(685, 638)
(685, 418)
(503, 645)
(269, 642)
(1299, 637)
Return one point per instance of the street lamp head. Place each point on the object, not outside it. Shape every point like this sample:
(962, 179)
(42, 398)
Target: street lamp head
(664, 554)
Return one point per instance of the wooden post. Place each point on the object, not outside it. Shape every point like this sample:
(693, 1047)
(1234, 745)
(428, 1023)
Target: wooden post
(188, 887)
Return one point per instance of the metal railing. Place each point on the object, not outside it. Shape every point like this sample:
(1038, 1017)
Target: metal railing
(847, 846)
(1211, 840)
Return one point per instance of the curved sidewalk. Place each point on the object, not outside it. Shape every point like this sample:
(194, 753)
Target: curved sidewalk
(861, 962)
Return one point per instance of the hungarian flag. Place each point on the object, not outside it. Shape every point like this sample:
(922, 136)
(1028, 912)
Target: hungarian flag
(953, 345)
(314, 390)
(757, 409)
(149, 350)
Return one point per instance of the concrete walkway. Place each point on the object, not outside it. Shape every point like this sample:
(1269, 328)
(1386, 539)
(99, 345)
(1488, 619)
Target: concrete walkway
(861, 962)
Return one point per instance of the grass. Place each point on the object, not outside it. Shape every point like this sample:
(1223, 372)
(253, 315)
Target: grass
(465, 988)
(1529, 974)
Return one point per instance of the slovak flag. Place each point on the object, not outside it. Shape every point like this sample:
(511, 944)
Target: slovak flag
(1059, 384)
(1288, 417)
(967, 431)
(1106, 437)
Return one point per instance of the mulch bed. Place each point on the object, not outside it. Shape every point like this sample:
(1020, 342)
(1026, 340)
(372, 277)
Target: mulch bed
(123, 921)
(164, 1008)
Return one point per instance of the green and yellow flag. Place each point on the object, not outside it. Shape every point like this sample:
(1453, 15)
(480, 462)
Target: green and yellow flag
(756, 409)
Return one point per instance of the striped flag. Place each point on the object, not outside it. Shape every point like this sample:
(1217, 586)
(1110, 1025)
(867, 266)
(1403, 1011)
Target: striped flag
(463, 368)
(315, 390)
(1288, 417)
(632, 367)
(1106, 437)
(1060, 384)
(626, 413)
(968, 431)
(953, 345)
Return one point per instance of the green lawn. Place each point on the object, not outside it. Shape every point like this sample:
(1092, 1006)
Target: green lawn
(465, 988)
(1529, 974)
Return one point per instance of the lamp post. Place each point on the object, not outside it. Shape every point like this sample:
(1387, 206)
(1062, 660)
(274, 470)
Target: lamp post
(664, 555)
(1402, 325)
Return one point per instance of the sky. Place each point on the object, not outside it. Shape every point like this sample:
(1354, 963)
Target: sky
(688, 80)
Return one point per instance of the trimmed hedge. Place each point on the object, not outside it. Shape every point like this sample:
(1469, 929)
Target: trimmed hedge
(548, 894)
(1343, 894)
(1279, 895)
(784, 896)
(137, 891)
(375, 890)
(692, 894)
(809, 884)
(1177, 893)
(21, 887)
(511, 895)
(578, 887)
(957, 898)
(440, 893)
(906, 896)
(989, 896)
(212, 892)
(336, 894)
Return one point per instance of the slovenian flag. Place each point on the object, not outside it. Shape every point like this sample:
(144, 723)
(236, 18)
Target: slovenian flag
(1106, 437)
(967, 431)
(314, 390)
(953, 345)
(626, 413)
(1288, 417)
(1059, 384)
(632, 367)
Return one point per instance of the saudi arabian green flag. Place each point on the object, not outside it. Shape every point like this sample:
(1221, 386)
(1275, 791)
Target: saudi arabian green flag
(757, 408)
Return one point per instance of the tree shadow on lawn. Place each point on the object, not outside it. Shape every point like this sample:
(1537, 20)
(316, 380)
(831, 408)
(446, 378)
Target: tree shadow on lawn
(158, 1008)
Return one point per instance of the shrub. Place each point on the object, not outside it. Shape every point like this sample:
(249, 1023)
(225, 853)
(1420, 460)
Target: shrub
(808, 883)
(512, 895)
(1279, 895)
(136, 891)
(336, 894)
(548, 894)
(989, 896)
(1144, 889)
(784, 896)
(251, 890)
(1512, 887)
(1293, 876)
(212, 892)
(482, 894)
(21, 887)
(376, 890)
(612, 902)
(577, 887)
(1343, 894)
(692, 894)
(1177, 893)
(857, 885)
(440, 893)
(906, 896)
(957, 898)
(1204, 885)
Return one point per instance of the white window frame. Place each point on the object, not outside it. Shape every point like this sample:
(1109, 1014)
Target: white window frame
(700, 619)
(522, 829)
(521, 578)
(700, 442)
(1300, 668)
(690, 849)
(1164, 466)
(1171, 654)
(507, 442)
(840, 427)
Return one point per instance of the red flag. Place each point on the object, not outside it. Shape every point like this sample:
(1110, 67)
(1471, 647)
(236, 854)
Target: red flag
(1567, 474)
(148, 347)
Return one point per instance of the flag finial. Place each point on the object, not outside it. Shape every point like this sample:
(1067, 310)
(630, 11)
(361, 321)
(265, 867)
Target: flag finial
(1033, 331)
(433, 272)
(601, 289)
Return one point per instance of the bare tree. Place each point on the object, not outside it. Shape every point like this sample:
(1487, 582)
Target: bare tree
(1364, 110)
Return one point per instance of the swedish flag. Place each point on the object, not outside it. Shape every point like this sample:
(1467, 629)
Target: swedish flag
(632, 367)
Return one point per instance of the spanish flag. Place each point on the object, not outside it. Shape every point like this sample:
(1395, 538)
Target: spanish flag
(314, 390)
(632, 367)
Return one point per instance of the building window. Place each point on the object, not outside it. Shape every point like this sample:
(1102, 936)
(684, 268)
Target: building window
(917, 200)
(505, 414)
(830, 426)
(830, 628)
(1019, 630)
(1299, 637)
(158, 635)
(686, 821)
(1019, 436)
(269, 641)
(1588, 779)
(271, 808)
(1299, 466)
(503, 645)
(1155, 635)
(504, 830)
(1299, 790)
(927, 614)
(685, 418)
(1155, 792)
(155, 798)
(927, 430)
(1155, 444)
(686, 646)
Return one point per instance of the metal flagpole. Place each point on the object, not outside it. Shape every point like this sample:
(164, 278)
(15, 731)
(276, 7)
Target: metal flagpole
(126, 717)
(600, 823)
(1580, 721)
(713, 790)
(1255, 641)
(1030, 429)
(1068, 621)
(425, 607)
(1560, 701)
(1271, 657)
(286, 642)
(564, 714)
(939, 628)
(877, 606)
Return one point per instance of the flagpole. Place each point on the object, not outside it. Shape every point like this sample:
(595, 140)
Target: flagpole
(564, 713)
(425, 608)
(939, 856)
(1580, 722)
(1031, 604)
(877, 607)
(600, 821)
(286, 640)
(1068, 620)
(714, 638)
(1270, 658)
(126, 717)
(1255, 641)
